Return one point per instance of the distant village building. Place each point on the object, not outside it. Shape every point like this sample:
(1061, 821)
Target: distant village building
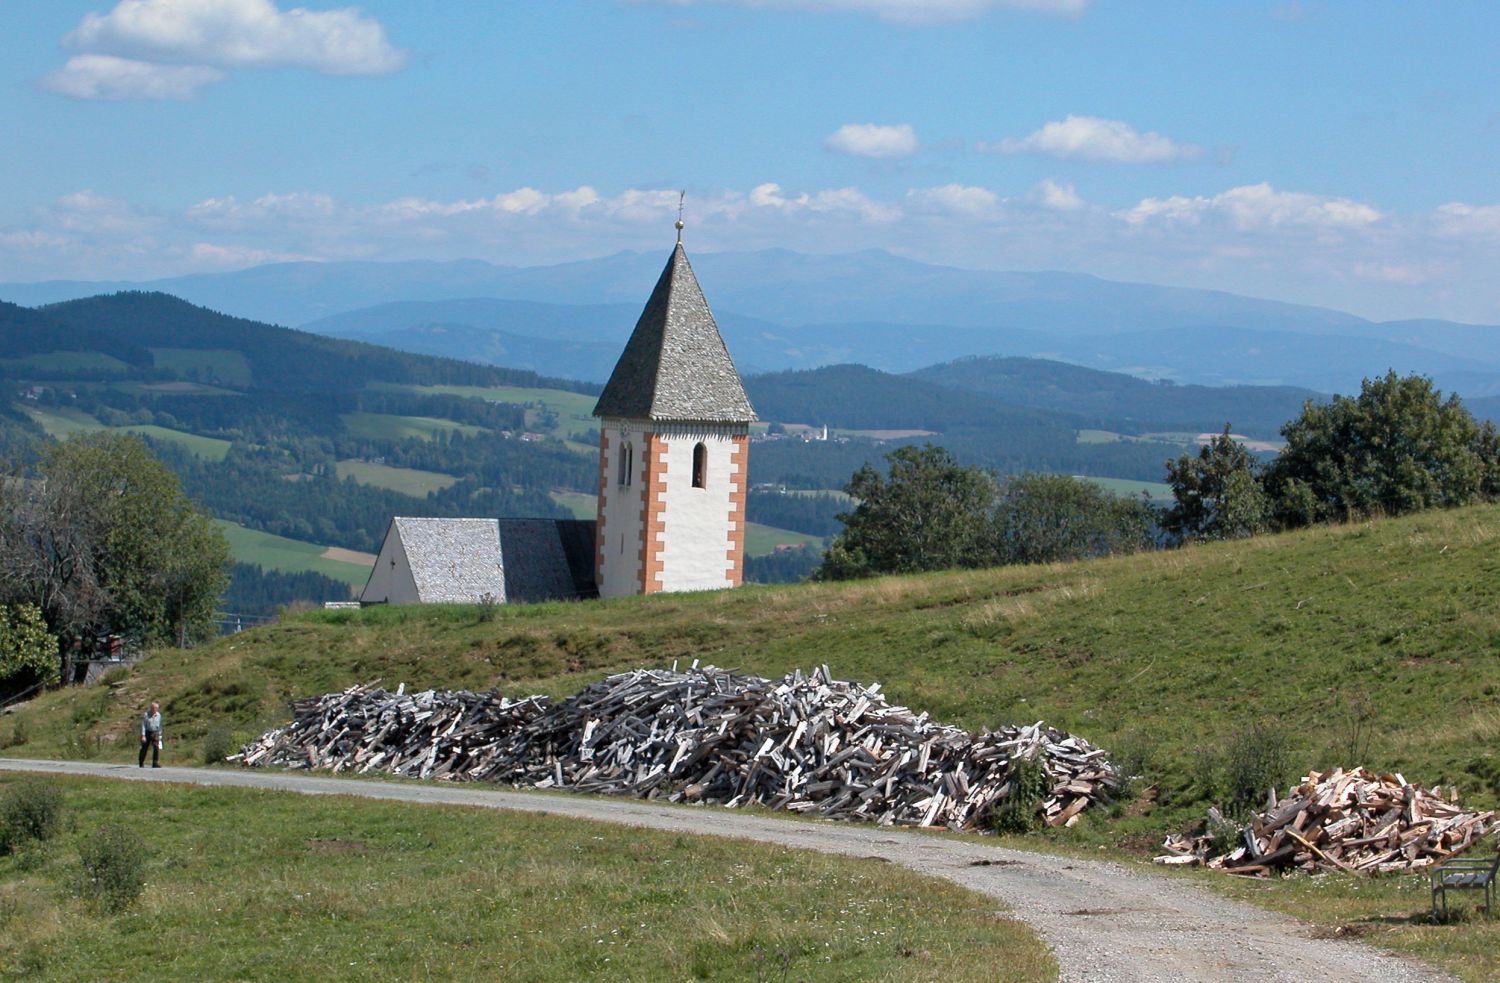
(674, 425)
(674, 442)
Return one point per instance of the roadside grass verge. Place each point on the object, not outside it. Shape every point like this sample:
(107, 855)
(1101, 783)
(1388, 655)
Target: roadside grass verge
(251, 885)
(1392, 913)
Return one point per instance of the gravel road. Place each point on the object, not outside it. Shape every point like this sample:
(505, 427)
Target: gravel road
(1105, 922)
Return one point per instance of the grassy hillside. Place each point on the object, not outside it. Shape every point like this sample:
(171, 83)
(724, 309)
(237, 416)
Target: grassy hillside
(1369, 644)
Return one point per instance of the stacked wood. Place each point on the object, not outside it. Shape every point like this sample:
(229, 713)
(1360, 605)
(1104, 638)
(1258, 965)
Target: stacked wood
(807, 742)
(1350, 821)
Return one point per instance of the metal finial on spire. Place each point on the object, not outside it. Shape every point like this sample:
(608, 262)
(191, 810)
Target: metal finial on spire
(681, 197)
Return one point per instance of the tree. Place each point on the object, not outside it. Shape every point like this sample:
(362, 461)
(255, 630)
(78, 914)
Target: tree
(929, 513)
(1397, 447)
(104, 540)
(1047, 518)
(1217, 494)
(27, 651)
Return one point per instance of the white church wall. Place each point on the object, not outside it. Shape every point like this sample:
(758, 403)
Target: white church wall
(696, 531)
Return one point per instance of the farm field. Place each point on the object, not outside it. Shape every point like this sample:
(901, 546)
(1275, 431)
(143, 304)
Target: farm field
(291, 555)
(250, 885)
(217, 365)
(68, 362)
(581, 504)
(761, 540)
(386, 426)
(62, 422)
(574, 410)
(408, 481)
(1129, 488)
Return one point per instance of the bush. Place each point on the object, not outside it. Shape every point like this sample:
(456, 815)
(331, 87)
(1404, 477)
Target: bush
(218, 744)
(19, 734)
(1021, 812)
(1257, 759)
(30, 809)
(113, 868)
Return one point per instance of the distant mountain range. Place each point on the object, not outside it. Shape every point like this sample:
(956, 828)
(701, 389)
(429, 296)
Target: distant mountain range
(783, 310)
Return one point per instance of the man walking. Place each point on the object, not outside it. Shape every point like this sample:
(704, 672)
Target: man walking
(151, 735)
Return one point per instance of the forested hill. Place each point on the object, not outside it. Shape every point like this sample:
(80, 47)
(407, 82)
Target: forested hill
(156, 331)
(861, 398)
(30, 332)
(1114, 401)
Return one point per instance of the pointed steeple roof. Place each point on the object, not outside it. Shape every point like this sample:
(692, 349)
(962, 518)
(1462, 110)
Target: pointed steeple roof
(675, 366)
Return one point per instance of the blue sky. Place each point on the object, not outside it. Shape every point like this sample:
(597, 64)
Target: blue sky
(1339, 153)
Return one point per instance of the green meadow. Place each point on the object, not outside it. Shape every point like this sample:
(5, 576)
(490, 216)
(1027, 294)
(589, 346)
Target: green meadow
(387, 426)
(64, 421)
(288, 555)
(407, 481)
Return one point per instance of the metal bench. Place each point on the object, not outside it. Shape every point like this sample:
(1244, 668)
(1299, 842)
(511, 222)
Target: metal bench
(1464, 874)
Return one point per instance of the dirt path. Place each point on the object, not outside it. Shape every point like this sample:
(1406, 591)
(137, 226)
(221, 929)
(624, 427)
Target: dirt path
(1105, 922)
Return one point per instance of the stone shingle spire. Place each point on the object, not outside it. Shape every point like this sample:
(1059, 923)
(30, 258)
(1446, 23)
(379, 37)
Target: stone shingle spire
(675, 366)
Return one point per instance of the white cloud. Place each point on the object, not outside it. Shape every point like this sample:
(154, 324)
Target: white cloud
(873, 140)
(915, 12)
(1457, 218)
(208, 254)
(1058, 197)
(1255, 239)
(955, 199)
(1092, 138)
(847, 201)
(114, 79)
(230, 33)
(1390, 273)
(168, 49)
(1255, 206)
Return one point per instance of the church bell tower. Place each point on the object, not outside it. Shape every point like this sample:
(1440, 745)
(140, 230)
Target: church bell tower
(674, 443)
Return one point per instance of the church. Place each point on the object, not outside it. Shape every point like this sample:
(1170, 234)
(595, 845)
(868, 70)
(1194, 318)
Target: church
(674, 444)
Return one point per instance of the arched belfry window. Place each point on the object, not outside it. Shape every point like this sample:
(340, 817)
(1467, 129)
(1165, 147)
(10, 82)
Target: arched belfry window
(627, 464)
(700, 466)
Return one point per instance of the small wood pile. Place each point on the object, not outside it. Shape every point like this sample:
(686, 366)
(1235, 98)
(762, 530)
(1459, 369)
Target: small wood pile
(806, 742)
(1350, 821)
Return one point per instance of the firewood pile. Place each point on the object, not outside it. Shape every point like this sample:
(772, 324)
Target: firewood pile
(1350, 821)
(807, 743)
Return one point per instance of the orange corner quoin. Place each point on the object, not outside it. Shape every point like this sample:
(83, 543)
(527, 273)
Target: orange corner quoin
(674, 440)
(740, 478)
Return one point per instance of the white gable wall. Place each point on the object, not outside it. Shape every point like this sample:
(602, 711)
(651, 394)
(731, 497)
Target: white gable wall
(391, 580)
